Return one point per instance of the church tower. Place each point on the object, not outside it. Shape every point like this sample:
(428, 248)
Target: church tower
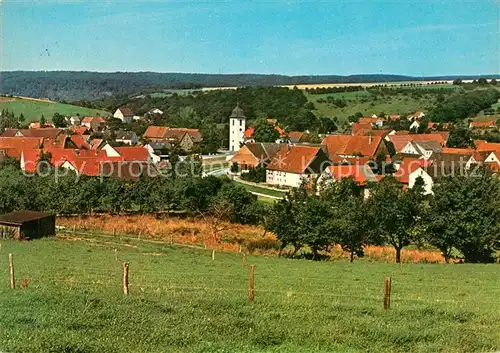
(236, 129)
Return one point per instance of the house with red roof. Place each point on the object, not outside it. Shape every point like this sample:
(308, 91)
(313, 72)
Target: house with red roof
(255, 154)
(489, 124)
(361, 173)
(80, 130)
(417, 115)
(400, 141)
(294, 164)
(296, 136)
(184, 138)
(409, 169)
(422, 148)
(96, 123)
(354, 146)
(372, 120)
(38, 125)
(126, 115)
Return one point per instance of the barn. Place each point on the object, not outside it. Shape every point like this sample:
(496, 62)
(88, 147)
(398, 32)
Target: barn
(27, 225)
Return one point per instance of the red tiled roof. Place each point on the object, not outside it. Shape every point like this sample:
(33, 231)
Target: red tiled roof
(400, 141)
(94, 119)
(352, 145)
(155, 132)
(179, 132)
(487, 147)
(79, 130)
(489, 123)
(408, 166)
(249, 132)
(133, 153)
(44, 133)
(358, 172)
(80, 142)
(294, 159)
(18, 144)
(450, 150)
(361, 128)
(126, 111)
(295, 135)
(96, 143)
(367, 120)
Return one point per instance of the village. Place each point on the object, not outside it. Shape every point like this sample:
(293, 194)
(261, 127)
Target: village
(366, 152)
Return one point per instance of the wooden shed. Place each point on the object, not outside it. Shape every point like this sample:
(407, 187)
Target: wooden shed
(27, 225)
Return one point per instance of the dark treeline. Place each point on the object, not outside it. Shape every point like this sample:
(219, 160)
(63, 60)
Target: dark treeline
(198, 109)
(460, 219)
(323, 90)
(463, 105)
(72, 85)
(62, 192)
(410, 90)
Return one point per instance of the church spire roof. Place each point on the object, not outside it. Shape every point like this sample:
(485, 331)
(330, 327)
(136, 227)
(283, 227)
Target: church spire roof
(237, 112)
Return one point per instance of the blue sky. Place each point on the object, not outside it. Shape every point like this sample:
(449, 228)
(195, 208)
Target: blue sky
(423, 37)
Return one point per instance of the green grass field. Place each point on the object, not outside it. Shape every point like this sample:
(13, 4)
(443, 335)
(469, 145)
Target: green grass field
(33, 110)
(262, 190)
(182, 301)
(369, 104)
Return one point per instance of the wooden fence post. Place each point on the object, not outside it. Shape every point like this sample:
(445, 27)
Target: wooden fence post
(11, 271)
(74, 228)
(387, 293)
(251, 283)
(116, 254)
(213, 255)
(125, 278)
(114, 231)
(244, 260)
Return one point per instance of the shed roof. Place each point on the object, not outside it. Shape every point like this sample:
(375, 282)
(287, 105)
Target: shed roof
(20, 217)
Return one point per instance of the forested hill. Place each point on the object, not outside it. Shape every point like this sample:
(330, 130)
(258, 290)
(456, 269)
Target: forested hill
(74, 85)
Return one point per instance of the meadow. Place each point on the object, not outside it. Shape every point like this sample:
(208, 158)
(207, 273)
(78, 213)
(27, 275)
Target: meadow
(369, 104)
(33, 109)
(69, 299)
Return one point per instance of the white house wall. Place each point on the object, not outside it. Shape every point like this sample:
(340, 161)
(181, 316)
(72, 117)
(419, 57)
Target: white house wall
(274, 177)
(428, 182)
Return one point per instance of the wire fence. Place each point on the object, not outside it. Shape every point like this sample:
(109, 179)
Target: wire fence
(240, 280)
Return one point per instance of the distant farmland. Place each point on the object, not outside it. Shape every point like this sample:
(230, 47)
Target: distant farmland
(32, 109)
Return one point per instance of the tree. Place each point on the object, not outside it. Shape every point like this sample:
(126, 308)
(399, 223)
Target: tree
(283, 222)
(393, 213)
(255, 174)
(457, 81)
(42, 121)
(464, 214)
(493, 82)
(482, 81)
(460, 137)
(235, 168)
(58, 120)
(326, 125)
(348, 220)
(265, 132)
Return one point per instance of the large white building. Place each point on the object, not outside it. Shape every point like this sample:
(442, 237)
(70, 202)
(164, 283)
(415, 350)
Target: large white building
(236, 129)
